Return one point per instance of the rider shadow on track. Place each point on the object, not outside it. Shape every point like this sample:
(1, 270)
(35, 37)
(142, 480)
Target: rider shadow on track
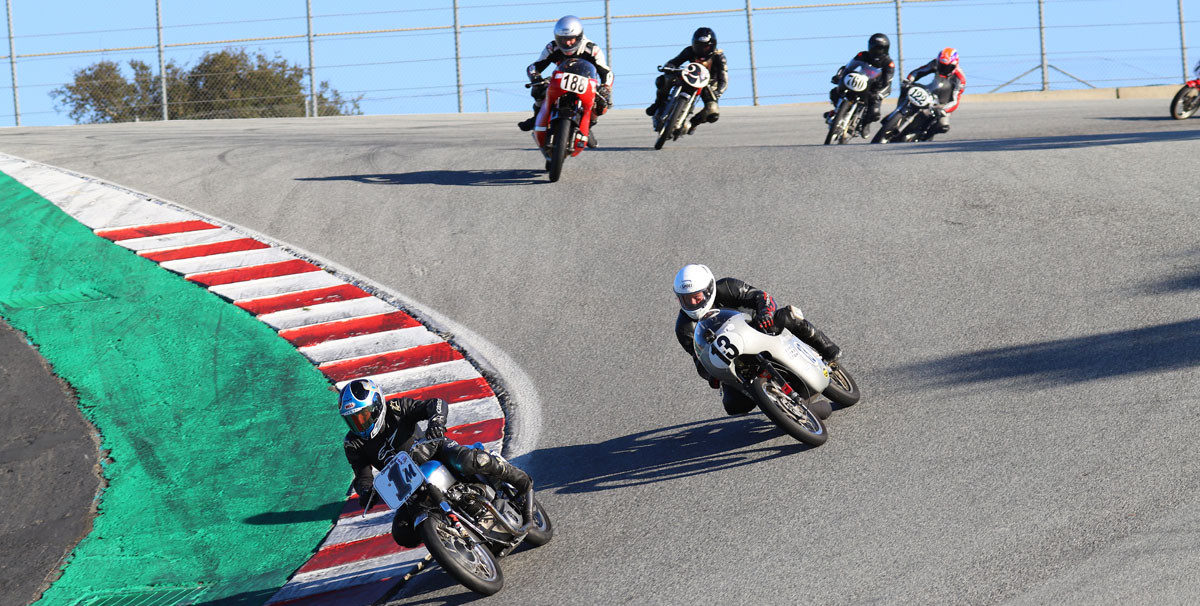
(1146, 350)
(657, 455)
(445, 177)
(324, 513)
(1054, 142)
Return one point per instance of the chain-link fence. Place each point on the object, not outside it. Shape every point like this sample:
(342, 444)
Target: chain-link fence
(451, 58)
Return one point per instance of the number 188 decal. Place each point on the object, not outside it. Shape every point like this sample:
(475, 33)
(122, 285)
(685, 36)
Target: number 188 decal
(574, 83)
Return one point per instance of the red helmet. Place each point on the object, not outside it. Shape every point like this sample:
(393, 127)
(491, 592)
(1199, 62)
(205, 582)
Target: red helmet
(947, 61)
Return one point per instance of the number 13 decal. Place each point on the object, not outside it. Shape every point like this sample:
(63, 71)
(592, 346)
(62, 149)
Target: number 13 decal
(725, 349)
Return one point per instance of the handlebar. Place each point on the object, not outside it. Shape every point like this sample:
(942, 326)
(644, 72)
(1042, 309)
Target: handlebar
(669, 69)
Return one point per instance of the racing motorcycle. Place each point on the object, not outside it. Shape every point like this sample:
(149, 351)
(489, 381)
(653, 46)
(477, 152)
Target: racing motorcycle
(672, 122)
(562, 124)
(465, 523)
(915, 117)
(854, 87)
(1187, 100)
(781, 373)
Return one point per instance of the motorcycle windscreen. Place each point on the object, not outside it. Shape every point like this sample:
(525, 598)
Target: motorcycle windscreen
(707, 327)
(579, 67)
(863, 68)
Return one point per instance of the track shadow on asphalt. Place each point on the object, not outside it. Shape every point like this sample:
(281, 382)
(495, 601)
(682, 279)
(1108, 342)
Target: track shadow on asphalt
(1055, 142)
(1147, 350)
(445, 177)
(324, 513)
(668, 453)
(1138, 118)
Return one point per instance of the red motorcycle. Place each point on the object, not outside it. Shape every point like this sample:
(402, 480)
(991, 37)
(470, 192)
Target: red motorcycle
(562, 124)
(1187, 100)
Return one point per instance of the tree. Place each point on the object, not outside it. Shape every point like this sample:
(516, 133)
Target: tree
(230, 83)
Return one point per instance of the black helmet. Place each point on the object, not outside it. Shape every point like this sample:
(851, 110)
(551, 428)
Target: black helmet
(878, 45)
(704, 42)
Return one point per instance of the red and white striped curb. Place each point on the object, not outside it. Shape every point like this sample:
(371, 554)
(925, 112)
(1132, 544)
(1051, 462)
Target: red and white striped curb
(344, 330)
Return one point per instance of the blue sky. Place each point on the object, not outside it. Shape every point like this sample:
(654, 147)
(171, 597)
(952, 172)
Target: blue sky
(1105, 42)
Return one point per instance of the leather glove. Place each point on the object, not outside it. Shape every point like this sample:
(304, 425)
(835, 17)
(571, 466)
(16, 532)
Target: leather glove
(364, 498)
(764, 318)
(435, 430)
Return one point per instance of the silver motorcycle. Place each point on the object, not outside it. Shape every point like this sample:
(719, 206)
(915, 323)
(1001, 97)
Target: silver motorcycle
(781, 373)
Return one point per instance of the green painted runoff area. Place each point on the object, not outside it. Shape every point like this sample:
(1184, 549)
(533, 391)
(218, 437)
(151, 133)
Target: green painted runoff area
(226, 466)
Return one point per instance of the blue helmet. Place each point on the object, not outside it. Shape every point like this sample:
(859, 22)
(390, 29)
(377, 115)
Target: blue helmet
(361, 405)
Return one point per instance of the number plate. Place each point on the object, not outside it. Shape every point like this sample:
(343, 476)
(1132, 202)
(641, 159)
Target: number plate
(398, 480)
(919, 96)
(574, 83)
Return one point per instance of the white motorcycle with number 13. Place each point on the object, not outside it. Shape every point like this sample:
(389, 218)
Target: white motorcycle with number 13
(781, 373)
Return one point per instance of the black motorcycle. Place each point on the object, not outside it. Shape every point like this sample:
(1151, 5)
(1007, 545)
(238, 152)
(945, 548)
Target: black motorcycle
(916, 115)
(853, 86)
(673, 121)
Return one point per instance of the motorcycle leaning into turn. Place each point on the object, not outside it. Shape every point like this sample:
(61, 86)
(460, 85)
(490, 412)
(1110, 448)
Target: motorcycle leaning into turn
(673, 121)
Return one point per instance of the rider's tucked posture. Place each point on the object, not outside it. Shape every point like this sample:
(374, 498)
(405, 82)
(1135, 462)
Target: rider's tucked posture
(699, 292)
(379, 430)
(703, 50)
(945, 66)
(569, 42)
(876, 55)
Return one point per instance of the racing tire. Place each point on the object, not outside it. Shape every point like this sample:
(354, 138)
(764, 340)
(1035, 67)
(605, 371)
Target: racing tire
(793, 418)
(842, 388)
(562, 139)
(543, 530)
(665, 132)
(1185, 103)
(473, 565)
(887, 130)
(839, 129)
(676, 121)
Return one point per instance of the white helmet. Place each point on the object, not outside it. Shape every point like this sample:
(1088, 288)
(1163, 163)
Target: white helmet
(568, 34)
(696, 289)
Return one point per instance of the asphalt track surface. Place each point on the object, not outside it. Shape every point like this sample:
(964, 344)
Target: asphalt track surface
(1018, 301)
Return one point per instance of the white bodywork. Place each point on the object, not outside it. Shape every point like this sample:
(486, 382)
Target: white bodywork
(735, 337)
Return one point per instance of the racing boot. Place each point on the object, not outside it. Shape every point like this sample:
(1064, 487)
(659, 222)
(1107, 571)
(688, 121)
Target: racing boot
(791, 318)
(526, 125)
(653, 109)
(829, 116)
(592, 142)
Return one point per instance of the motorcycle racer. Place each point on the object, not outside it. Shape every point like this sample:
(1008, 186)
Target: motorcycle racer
(703, 50)
(699, 292)
(569, 42)
(378, 430)
(945, 66)
(876, 55)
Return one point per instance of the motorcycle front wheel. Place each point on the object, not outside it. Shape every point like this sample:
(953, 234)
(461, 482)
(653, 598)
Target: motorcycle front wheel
(562, 141)
(887, 131)
(1185, 103)
(543, 529)
(842, 389)
(465, 556)
(839, 128)
(668, 120)
(792, 417)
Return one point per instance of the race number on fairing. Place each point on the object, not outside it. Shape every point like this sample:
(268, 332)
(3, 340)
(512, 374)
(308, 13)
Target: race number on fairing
(574, 83)
(398, 480)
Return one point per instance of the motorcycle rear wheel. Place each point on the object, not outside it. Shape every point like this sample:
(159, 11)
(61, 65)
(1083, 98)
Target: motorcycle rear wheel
(562, 139)
(839, 129)
(793, 418)
(543, 531)
(842, 389)
(1185, 103)
(469, 562)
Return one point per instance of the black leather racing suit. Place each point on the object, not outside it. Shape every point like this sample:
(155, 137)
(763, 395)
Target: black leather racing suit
(718, 71)
(398, 432)
(881, 85)
(732, 293)
(949, 101)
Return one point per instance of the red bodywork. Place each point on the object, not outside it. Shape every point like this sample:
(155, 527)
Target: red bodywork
(553, 93)
(1193, 83)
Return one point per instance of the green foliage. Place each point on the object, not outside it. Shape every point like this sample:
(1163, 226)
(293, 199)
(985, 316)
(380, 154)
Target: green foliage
(230, 83)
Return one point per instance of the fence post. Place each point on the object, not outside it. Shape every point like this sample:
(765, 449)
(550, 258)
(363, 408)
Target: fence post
(1042, 38)
(608, 32)
(12, 61)
(487, 100)
(899, 44)
(457, 58)
(1182, 44)
(750, 41)
(310, 108)
(162, 68)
